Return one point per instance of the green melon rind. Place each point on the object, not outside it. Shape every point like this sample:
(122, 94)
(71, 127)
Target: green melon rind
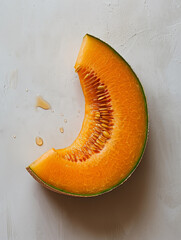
(55, 189)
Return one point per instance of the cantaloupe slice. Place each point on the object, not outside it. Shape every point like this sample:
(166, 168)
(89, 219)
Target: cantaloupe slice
(114, 131)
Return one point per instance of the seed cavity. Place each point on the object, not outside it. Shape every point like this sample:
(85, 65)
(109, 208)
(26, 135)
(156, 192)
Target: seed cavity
(102, 121)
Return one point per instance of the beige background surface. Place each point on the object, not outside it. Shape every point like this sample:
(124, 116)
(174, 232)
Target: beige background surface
(39, 42)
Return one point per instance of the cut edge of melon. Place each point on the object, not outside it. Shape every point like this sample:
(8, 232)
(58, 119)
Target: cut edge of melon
(57, 190)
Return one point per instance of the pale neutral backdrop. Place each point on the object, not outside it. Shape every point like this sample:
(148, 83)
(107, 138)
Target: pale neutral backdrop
(39, 42)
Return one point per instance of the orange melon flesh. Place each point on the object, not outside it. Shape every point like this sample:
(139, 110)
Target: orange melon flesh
(114, 131)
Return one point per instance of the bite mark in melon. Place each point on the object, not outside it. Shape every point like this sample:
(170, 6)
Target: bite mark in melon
(114, 131)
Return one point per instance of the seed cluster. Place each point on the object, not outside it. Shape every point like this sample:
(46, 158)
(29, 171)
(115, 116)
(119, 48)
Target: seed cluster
(101, 116)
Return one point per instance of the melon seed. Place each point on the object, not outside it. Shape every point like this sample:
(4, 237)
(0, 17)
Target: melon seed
(97, 145)
(97, 115)
(99, 142)
(78, 68)
(104, 121)
(100, 87)
(106, 134)
(86, 76)
(100, 98)
(102, 138)
(104, 125)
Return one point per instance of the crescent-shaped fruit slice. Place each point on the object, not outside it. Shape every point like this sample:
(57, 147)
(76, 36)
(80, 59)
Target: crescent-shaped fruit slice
(114, 131)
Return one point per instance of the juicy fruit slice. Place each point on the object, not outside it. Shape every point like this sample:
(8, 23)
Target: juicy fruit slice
(114, 131)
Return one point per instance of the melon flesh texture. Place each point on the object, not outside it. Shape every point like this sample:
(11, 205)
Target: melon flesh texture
(114, 131)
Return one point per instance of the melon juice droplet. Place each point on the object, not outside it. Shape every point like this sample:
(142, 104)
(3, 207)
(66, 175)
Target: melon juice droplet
(39, 141)
(40, 102)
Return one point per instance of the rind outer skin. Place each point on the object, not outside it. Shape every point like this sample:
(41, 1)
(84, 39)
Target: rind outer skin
(123, 180)
(45, 184)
